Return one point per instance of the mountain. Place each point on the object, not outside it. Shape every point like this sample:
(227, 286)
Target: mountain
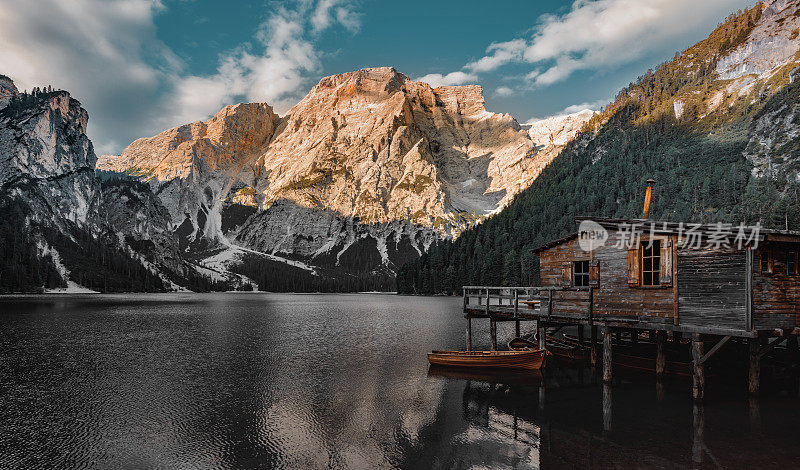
(718, 127)
(52, 234)
(362, 175)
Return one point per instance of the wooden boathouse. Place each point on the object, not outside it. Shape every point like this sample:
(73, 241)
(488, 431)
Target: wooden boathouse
(707, 283)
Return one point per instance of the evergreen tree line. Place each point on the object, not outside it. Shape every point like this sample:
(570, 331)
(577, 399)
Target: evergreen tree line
(274, 276)
(95, 262)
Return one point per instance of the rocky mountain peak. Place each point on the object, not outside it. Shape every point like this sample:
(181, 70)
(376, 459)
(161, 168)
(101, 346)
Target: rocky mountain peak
(382, 81)
(222, 143)
(368, 161)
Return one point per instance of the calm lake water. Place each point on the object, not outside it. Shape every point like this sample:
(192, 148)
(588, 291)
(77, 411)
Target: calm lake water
(212, 381)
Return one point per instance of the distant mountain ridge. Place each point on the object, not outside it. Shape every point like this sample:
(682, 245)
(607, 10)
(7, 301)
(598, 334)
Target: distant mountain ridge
(369, 165)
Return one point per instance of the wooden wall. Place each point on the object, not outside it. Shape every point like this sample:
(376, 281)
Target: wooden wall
(776, 295)
(613, 297)
(712, 287)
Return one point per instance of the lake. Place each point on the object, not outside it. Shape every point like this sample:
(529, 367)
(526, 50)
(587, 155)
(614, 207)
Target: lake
(219, 381)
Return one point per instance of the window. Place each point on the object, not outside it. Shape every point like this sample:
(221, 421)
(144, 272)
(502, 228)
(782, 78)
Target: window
(580, 273)
(651, 263)
(791, 263)
(765, 261)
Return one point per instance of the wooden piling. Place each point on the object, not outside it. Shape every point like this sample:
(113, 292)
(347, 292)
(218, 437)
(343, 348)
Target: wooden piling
(698, 375)
(593, 344)
(661, 360)
(469, 334)
(516, 329)
(542, 334)
(493, 333)
(754, 378)
(606, 354)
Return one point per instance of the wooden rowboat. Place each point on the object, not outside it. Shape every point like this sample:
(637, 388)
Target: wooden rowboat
(527, 360)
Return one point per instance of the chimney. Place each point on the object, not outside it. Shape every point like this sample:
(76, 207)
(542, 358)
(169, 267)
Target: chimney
(647, 198)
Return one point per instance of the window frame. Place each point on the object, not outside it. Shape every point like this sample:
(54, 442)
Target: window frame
(764, 262)
(791, 260)
(654, 272)
(583, 274)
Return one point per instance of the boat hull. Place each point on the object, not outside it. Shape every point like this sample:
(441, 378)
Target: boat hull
(524, 360)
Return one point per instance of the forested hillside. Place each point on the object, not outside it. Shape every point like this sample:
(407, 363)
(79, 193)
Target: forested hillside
(694, 133)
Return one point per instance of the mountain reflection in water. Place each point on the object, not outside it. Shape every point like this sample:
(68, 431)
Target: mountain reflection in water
(335, 381)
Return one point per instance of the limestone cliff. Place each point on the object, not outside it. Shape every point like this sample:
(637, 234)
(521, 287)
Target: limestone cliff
(367, 155)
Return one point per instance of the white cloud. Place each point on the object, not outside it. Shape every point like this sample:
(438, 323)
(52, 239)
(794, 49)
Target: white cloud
(275, 76)
(500, 53)
(452, 78)
(327, 10)
(107, 55)
(104, 53)
(601, 34)
(607, 33)
(504, 91)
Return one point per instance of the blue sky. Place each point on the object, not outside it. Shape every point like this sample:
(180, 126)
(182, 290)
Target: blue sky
(140, 66)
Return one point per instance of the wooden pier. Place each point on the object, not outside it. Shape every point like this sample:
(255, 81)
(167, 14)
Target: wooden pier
(712, 297)
(710, 285)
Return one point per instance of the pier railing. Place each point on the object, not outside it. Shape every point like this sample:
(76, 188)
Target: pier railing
(529, 303)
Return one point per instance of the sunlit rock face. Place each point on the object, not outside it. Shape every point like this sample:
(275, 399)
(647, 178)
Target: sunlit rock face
(194, 167)
(375, 145)
(366, 154)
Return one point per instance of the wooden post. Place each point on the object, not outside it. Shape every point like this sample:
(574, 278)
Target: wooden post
(493, 333)
(516, 329)
(516, 308)
(755, 367)
(593, 344)
(661, 360)
(487, 301)
(542, 336)
(698, 375)
(580, 334)
(469, 334)
(606, 354)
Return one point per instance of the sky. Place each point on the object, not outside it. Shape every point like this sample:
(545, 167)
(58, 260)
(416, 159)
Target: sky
(142, 66)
